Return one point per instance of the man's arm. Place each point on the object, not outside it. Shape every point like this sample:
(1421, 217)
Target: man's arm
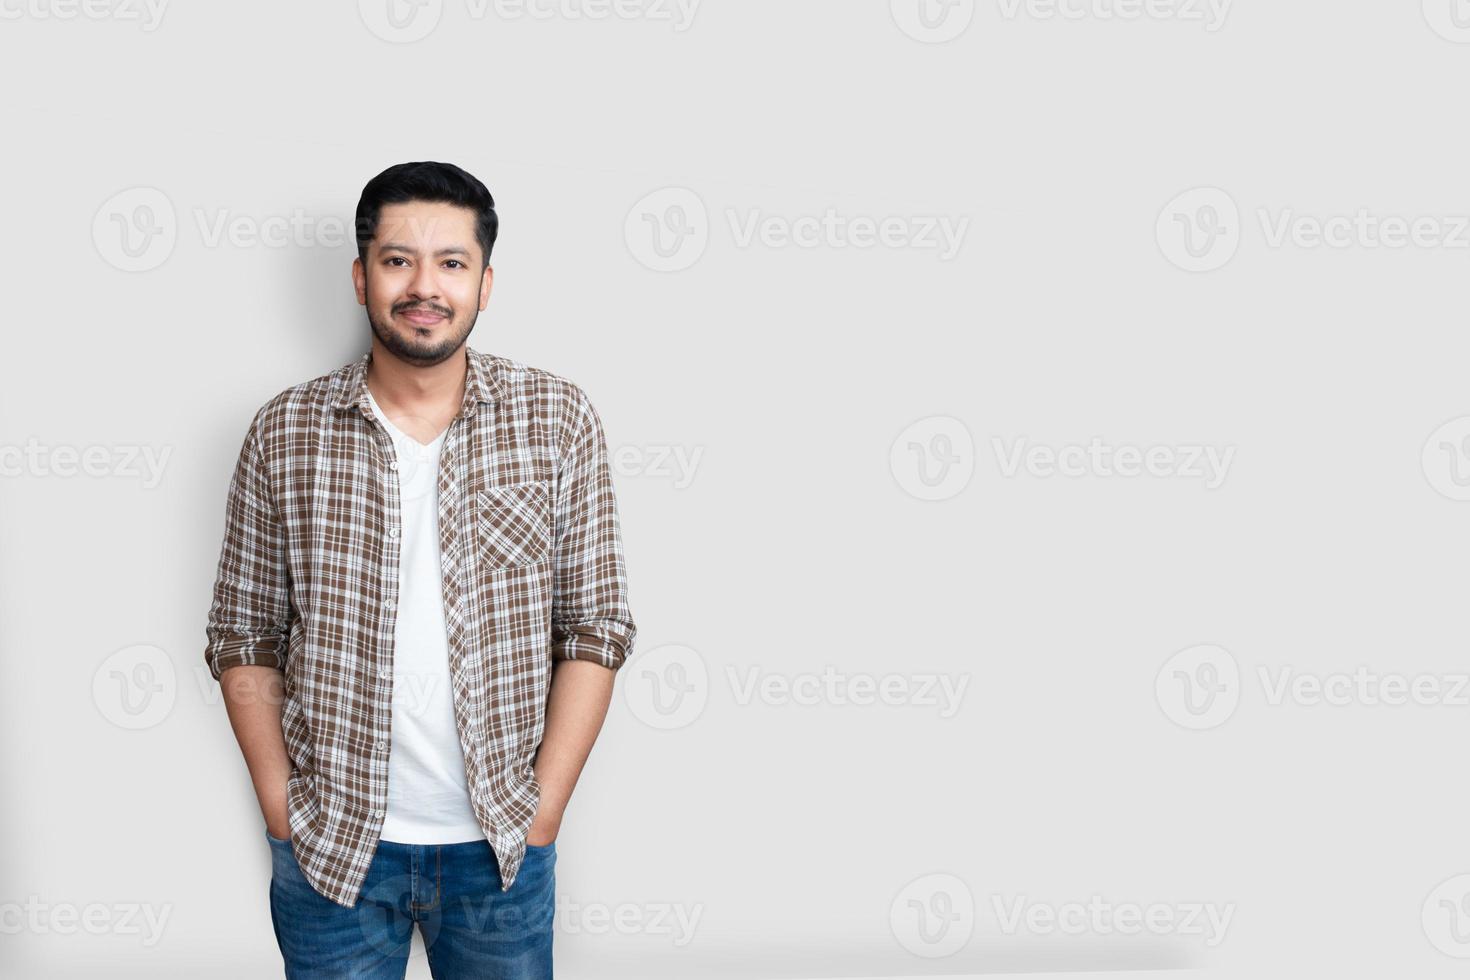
(592, 629)
(249, 629)
(575, 707)
(253, 696)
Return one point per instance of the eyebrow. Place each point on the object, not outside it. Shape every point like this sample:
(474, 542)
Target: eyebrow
(400, 247)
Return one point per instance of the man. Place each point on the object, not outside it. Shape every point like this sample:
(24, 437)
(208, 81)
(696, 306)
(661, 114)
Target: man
(419, 610)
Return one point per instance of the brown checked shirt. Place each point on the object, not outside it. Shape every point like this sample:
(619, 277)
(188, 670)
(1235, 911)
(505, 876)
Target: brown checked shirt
(532, 568)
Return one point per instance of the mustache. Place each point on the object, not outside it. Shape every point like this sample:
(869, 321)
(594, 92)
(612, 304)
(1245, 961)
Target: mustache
(422, 308)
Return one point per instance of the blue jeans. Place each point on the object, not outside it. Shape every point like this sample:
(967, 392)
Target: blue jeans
(470, 927)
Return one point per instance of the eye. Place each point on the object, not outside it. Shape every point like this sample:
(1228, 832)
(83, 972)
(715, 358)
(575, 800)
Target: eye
(393, 258)
(457, 262)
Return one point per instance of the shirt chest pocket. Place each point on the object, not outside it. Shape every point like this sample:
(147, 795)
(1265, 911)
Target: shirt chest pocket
(513, 524)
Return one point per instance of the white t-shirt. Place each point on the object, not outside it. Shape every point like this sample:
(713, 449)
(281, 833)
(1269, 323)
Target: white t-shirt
(428, 799)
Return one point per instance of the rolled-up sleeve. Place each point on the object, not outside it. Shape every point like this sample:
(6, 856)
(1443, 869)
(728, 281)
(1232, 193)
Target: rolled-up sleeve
(590, 619)
(250, 616)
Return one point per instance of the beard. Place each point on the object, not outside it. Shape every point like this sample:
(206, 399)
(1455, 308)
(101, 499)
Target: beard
(425, 353)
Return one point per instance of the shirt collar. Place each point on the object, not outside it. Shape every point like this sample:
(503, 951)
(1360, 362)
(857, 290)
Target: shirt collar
(482, 383)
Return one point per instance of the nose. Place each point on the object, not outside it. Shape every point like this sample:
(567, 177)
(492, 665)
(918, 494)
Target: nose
(424, 285)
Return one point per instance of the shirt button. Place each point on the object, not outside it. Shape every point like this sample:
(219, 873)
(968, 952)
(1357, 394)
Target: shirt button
(384, 673)
(382, 744)
(392, 532)
(377, 813)
(392, 464)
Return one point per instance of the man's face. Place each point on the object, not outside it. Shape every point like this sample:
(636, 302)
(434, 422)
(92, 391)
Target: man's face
(422, 285)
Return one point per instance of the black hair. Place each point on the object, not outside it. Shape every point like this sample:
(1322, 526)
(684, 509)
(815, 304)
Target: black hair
(426, 181)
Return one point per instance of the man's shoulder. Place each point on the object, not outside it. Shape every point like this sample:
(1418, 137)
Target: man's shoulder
(520, 380)
(299, 402)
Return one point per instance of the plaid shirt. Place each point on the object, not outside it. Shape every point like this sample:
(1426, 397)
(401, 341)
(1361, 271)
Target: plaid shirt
(308, 579)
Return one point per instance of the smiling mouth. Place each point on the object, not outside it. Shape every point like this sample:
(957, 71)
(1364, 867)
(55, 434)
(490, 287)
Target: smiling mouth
(421, 316)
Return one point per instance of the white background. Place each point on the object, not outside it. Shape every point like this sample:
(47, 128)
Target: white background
(810, 384)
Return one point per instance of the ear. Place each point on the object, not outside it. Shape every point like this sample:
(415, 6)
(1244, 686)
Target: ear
(485, 282)
(359, 282)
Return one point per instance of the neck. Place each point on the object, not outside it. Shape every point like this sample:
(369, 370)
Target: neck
(399, 383)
